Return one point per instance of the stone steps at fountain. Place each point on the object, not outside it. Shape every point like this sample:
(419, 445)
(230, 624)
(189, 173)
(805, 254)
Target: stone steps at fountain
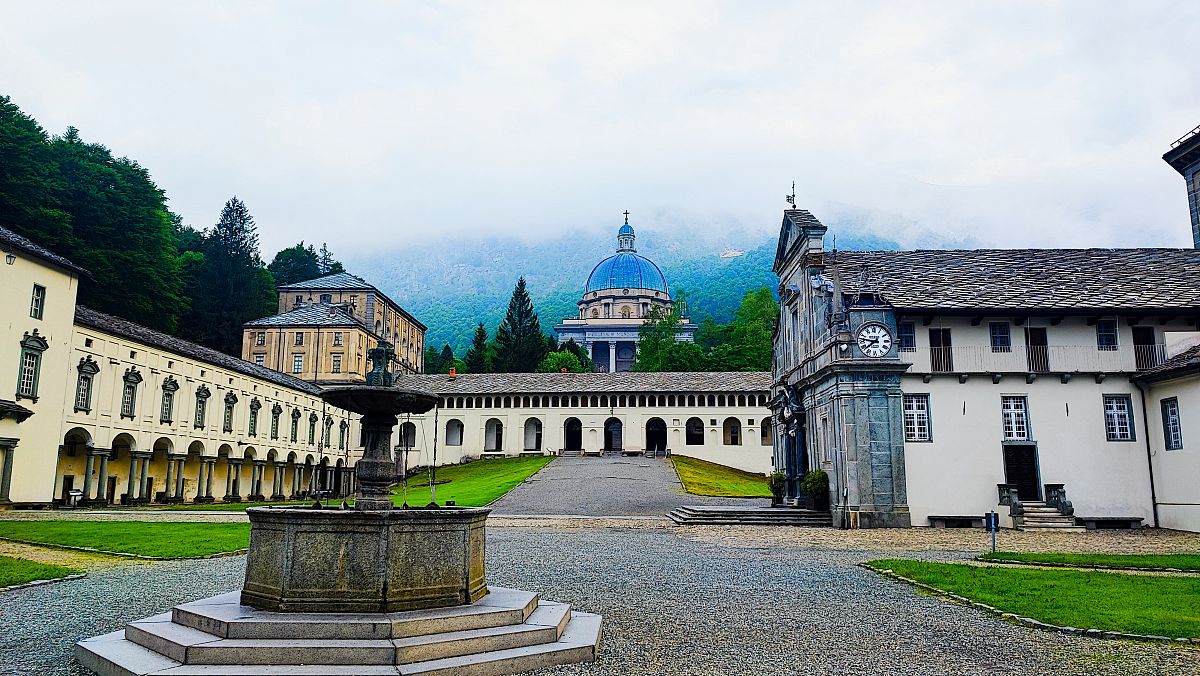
(506, 632)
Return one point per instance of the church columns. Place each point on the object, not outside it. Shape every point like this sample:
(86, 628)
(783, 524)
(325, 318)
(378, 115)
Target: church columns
(277, 484)
(101, 476)
(142, 484)
(169, 484)
(87, 475)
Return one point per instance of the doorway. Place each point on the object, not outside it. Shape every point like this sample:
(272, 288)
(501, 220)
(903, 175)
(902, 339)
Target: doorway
(1145, 351)
(941, 355)
(656, 436)
(573, 435)
(1021, 470)
(612, 435)
(1037, 352)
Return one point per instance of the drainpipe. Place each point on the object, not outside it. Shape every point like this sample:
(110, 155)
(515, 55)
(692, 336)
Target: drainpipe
(1149, 459)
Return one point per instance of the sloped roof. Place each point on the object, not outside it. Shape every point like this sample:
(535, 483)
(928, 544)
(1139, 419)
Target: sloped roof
(12, 239)
(318, 314)
(147, 336)
(1182, 364)
(339, 280)
(1025, 280)
(599, 383)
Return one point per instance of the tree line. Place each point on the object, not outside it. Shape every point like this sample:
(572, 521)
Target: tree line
(106, 214)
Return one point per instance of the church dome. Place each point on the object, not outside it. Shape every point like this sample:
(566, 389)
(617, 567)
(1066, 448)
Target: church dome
(626, 269)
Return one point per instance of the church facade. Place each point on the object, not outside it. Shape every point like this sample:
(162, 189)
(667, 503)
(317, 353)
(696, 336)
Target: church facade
(622, 292)
(935, 386)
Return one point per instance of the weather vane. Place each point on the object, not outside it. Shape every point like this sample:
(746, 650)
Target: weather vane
(791, 199)
(626, 217)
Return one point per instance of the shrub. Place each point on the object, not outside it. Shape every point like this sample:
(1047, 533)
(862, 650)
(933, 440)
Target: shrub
(815, 483)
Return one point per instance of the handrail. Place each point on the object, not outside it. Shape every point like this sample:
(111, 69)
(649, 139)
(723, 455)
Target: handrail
(1186, 136)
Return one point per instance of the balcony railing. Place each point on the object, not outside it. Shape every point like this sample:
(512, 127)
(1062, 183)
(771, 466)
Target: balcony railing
(1034, 359)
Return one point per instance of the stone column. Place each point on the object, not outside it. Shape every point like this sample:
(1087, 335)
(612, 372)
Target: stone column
(87, 477)
(6, 472)
(612, 356)
(169, 484)
(228, 479)
(210, 466)
(256, 480)
(102, 477)
(232, 494)
(280, 471)
(142, 486)
(130, 496)
(179, 480)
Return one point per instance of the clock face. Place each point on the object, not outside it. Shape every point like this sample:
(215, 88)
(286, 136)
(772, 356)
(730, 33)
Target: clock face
(874, 340)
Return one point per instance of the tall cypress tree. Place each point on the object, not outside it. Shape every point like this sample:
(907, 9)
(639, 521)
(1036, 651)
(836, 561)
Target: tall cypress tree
(520, 344)
(478, 360)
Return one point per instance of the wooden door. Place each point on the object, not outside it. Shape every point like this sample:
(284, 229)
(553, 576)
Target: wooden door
(1021, 470)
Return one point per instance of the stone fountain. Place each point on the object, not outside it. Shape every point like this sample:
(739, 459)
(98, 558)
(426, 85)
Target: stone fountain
(371, 589)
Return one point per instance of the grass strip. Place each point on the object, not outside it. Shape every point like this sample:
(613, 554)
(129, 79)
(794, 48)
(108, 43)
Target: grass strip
(700, 477)
(167, 540)
(1178, 561)
(474, 484)
(19, 571)
(1136, 604)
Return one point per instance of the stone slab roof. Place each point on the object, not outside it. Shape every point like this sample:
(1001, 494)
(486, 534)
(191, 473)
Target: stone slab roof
(8, 238)
(1182, 364)
(122, 327)
(339, 280)
(1026, 280)
(318, 314)
(599, 383)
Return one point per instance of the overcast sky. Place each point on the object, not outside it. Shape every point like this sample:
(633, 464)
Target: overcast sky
(372, 124)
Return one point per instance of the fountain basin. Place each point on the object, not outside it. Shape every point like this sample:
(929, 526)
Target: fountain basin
(356, 561)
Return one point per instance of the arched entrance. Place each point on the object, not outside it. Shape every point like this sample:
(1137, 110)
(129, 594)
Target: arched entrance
(533, 435)
(572, 436)
(493, 435)
(656, 436)
(613, 440)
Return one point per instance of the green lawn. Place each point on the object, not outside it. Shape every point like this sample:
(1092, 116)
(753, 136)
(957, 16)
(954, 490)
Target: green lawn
(1181, 561)
(474, 484)
(1156, 605)
(161, 539)
(700, 477)
(19, 571)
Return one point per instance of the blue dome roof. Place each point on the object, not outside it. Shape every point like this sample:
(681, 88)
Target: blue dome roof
(626, 229)
(626, 270)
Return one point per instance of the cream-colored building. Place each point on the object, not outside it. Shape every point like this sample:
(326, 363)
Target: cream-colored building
(324, 327)
(110, 412)
(719, 417)
(1173, 418)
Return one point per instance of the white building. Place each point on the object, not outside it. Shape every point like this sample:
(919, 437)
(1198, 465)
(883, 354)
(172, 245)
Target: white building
(933, 384)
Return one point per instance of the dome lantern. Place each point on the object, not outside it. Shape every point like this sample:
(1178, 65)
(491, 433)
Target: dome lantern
(625, 237)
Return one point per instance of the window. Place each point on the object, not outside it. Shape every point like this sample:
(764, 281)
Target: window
(733, 432)
(260, 359)
(129, 392)
(1118, 417)
(202, 394)
(906, 333)
(1106, 334)
(941, 355)
(595, 313)
(337, 363)
(1016, 418)
(32, 347)
(295, 425)
(260, 338)
(227, 420)
(454, 433)
(167, 409)
(694, 432)
(299, 339)
(255, 405)
(37, 304)
(297, 363)
(1001, 336)
(337, 338)
(328, 431)
(1172, 430)
(342, 426)
(299, 299)
(312, 429)
(916, 418)
(83, 387)
(626, 313)
(276, 411)
(327, 298)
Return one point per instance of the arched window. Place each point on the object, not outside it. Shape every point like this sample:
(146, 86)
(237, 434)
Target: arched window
(595, 313)
(765, 432)
(732, 432)
(720, 400)
(741, 400)
(694, 432)
(493, 435)
(691, 400)
(454, 433)
(626, 312)
(408, 436)
(533, 435)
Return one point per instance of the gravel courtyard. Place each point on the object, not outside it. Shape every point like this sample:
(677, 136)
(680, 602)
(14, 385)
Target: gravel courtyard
(705, 600)
(605, 486)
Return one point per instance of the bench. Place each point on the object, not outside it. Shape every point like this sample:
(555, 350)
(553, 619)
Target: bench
(1109, 522)
(956, 521)
(491, 454)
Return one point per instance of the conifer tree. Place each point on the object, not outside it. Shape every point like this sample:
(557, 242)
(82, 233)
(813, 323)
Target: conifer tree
(325, 263)
(520, 344)
(295, 264)
(478, 359)
(447, 359)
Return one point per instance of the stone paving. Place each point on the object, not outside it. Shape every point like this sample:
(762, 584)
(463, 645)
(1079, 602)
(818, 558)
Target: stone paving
(702, 600)
(605, 486)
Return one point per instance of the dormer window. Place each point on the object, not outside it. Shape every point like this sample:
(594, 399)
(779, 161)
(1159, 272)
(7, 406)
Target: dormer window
(327, 298)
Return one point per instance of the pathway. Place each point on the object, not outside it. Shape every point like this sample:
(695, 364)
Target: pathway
(605, 486)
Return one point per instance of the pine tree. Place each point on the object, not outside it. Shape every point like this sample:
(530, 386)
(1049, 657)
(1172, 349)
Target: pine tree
(433, 360)
(478, 359)
(520, 344)
(447, 359)
(325, 263)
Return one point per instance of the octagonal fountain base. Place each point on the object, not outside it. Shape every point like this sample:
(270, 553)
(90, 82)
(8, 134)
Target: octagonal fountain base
(351, 561)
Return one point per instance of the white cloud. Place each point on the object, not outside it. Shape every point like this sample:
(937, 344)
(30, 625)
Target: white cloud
(1012, 124)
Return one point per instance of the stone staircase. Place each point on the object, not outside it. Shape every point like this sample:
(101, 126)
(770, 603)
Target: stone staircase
(570, 454)
(507, 632)
(732, 515)
(1040, 517)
